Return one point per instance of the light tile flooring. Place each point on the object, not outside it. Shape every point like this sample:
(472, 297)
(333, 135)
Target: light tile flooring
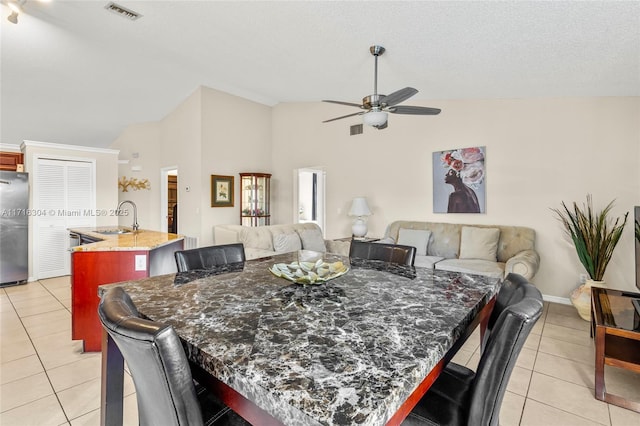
(45, 379)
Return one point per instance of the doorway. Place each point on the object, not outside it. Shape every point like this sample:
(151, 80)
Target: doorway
(169, 199)
(309, 196)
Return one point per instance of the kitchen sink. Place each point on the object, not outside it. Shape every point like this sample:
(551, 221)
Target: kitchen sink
(114, 231)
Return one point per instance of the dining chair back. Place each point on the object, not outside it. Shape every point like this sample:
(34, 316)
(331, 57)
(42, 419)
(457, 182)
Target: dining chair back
(164, 387)
(165, 390)
(394, 253)
(460, 396)
(512, 288)
(209, 257)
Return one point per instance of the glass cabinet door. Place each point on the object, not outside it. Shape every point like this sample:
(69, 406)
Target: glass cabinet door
(255, 199)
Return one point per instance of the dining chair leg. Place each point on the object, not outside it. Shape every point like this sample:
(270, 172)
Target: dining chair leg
(112, 387)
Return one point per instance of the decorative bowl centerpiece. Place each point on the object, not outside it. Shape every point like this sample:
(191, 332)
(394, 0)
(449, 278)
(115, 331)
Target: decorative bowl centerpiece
(302, 272)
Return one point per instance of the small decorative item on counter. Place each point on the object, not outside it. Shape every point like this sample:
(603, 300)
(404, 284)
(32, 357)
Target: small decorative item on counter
(134, 183)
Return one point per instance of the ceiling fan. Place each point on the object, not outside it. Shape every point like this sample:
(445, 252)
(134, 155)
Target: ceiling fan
(377, 106)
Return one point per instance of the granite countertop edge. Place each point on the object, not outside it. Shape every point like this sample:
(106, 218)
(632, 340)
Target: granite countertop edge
(143, 239)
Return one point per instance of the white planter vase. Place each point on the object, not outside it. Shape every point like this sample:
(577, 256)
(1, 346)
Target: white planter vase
(581, 298)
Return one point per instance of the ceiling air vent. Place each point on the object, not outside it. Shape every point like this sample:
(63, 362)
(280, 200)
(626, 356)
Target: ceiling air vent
(122, 11)
(356, 129)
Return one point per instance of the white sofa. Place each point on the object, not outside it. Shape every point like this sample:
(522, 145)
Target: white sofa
(262, 241)
(493, 250)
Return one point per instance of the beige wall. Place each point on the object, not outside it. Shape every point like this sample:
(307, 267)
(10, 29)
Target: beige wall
(173, 141)
(236, 137)
(211, 132)
(539, 152)
(139, 140)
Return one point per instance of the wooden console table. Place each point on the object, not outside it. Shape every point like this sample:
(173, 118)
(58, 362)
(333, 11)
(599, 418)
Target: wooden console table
(616, 326)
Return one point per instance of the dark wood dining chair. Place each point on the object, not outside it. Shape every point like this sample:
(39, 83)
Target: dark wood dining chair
(209, 257)
(394, 253)
(165, 390)
(460, 396)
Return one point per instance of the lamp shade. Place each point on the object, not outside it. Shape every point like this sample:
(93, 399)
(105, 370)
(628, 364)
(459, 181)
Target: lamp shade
(374, 118)
(359, 207)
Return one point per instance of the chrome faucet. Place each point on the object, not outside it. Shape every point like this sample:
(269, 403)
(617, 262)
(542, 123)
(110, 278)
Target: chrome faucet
(135, 213)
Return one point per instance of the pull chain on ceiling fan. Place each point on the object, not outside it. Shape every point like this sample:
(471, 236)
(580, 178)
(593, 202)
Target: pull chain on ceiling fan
(377, 106)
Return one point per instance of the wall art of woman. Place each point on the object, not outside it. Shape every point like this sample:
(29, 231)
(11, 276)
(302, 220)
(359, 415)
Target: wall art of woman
(464, 171)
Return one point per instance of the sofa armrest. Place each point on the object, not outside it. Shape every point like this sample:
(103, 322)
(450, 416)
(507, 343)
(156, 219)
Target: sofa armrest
(525, 263)
(338, 247)
(226, 234)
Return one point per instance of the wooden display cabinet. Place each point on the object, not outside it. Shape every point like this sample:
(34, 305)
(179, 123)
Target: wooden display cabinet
(255, 203)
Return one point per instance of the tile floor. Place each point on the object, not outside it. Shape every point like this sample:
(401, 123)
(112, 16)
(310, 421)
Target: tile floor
(46, 380)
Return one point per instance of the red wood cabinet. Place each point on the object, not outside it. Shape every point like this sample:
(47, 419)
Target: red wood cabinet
(90, 269)
(10, 160)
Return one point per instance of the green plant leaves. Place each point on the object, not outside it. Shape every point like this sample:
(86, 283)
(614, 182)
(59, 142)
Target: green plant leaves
(594, 234)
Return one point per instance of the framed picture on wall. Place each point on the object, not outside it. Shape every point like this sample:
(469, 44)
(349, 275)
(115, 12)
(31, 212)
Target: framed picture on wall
(459, 177)
(221, 191)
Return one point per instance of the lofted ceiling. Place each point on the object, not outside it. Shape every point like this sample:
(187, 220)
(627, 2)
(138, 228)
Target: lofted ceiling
(74, 73)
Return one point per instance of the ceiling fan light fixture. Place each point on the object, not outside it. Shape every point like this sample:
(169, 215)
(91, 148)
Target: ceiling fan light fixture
(16, 10)
(374, 118)
(16, 6)
(377, 106)
(13, 18)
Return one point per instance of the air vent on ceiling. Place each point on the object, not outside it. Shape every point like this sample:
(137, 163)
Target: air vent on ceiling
(356, 129)
(122, 11)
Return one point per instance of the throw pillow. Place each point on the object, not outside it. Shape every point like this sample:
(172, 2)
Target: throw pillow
(418, 238)
(312, 239)
(286, 242)
(479, 243)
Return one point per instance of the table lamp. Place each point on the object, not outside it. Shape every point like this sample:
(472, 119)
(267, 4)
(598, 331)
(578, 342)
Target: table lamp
(360, 210)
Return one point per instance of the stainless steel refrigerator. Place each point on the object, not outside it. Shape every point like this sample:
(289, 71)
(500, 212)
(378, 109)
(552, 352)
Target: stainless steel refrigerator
(14, 231)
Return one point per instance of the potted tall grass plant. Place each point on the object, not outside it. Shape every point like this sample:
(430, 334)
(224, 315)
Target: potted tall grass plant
(595, 236)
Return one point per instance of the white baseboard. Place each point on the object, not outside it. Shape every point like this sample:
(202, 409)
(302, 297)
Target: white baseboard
(556, 299)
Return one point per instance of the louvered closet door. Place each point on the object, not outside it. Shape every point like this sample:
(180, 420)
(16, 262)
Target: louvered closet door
(63, 198)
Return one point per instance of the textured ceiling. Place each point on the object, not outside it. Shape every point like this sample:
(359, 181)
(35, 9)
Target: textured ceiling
(74, 73)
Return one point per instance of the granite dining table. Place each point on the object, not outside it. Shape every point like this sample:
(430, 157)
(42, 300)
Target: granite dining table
(359, 349)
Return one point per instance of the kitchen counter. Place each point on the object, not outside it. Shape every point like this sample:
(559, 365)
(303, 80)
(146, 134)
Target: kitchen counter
(142, 239)
(115, 257)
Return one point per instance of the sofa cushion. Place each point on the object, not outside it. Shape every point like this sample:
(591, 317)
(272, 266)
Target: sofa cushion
(338, 247)
(445, 238)
(472, 266)
(418, 238)
(258, 237)
(427, 261)
(287, 242)
(479, 243)
(253, 253)
(312, 240)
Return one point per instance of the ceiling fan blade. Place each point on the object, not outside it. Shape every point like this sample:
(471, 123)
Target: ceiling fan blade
(344, 116)
(344, 103)
(398, 96)
(414, 110)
